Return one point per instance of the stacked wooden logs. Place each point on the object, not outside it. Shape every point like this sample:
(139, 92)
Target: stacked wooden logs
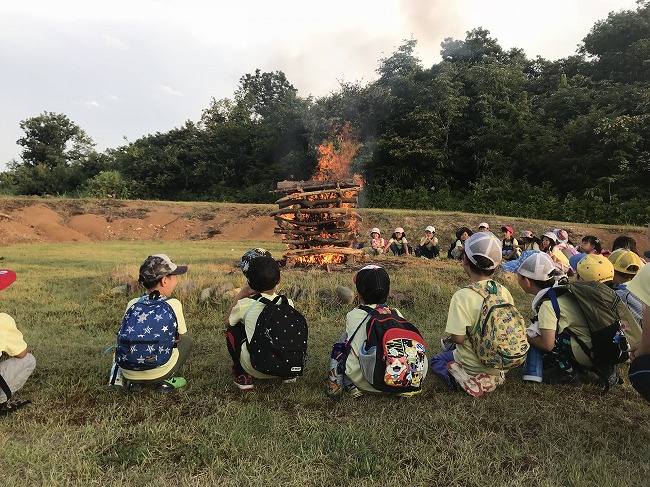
(317, 217)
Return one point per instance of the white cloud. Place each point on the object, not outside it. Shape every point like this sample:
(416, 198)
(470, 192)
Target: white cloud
(92, 103)
(114, 42)
(169, 90)
(113, 97)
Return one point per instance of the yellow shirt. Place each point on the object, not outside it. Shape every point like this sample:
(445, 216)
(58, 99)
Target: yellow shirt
(11, 340)
(237, 315)
(464, 313)
(571, 316)
(163, 370)
(640, 285)
(559, 256)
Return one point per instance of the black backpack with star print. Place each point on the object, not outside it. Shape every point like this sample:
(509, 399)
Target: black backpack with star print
(279, 344)
(147, 334)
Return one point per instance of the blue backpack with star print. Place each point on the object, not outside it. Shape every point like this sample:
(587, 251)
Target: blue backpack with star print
(147, 334)
(279, 343)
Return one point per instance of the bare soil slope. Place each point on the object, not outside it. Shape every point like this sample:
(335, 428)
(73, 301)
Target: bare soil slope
(24, 220)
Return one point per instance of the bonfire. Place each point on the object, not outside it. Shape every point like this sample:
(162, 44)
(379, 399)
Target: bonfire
(317, 218)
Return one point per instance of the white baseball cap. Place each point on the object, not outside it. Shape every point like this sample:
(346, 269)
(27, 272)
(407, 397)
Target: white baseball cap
(431, 229)
(399, 230)
(538, 266)
(375, 230)
(485, 244)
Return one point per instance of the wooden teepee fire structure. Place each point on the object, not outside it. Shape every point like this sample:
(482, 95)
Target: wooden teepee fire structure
(318, 221)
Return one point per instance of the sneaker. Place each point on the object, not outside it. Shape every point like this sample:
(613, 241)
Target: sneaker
(289, 380)
(243, 381)
(135, 387)
(353, 391)
(490, 382)
(562, 377)
(466, 382)
(408, 394)
(171, 384)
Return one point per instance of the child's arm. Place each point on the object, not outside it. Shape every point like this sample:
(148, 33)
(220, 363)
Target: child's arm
(643, 347)
(545, 341)
(457, 339)
(245, 292)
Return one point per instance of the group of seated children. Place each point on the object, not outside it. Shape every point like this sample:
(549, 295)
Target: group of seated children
(380, 351)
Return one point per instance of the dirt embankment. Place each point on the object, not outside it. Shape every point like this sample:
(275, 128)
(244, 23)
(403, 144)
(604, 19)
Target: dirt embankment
(24, 220)
(43, 220)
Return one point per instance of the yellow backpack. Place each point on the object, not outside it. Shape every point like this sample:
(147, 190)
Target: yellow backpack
(499, 337)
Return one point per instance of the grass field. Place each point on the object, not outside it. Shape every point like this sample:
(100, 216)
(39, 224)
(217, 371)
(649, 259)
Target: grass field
(78, 433)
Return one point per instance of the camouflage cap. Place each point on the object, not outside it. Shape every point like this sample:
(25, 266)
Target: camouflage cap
(158, 266)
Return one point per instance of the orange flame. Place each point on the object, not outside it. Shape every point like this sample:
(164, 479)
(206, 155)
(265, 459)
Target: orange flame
(335, 156)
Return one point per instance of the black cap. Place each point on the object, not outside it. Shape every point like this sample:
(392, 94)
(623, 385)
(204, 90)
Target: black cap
(263, 273)
(373, 284)
(249, 256)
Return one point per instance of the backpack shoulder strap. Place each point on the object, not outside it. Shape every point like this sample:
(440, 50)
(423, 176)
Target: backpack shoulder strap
(556, 307)
(477, 288)
(348, 345)
(5, 387)
(258, 298)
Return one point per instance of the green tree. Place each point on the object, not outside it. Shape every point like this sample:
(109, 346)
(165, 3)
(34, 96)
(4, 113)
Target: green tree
(55, 151)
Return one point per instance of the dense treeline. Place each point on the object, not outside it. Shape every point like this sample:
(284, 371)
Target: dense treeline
(485, 130)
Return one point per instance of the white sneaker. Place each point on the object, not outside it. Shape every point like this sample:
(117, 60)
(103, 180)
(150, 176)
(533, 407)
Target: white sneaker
(471, 385)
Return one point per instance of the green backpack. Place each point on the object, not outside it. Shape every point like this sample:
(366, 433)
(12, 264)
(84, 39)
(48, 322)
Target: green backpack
(499, 337)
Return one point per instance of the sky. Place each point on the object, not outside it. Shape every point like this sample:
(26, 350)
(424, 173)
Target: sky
(123, 69)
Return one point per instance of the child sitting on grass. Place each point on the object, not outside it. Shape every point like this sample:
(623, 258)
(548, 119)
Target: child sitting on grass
(345, 369)
(398, 244)
(16, 369)
(640, 354)
(626, 265)
(459, 365)
(158, 275)
(377, 243)
(428, 247)
(263, 275)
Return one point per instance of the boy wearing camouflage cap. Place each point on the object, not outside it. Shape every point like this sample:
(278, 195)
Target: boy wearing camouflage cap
(158, 275)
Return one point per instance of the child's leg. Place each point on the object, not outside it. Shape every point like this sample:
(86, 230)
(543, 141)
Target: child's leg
(393, 248)
(15, 372)
(439, 364)
(335, 374)
(184, 348)
(640, 375)
(235, 337)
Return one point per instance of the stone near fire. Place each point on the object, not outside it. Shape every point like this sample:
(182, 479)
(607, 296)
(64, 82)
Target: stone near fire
(231, 293)
(325, 294)
(119, 289)
(345, 294)
(223, 287)
(206, 294)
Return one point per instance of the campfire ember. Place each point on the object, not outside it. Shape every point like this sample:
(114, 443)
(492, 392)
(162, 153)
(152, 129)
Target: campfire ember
(318, 221)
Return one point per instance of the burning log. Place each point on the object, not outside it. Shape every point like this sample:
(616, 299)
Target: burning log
(301, 186)
(318, 220)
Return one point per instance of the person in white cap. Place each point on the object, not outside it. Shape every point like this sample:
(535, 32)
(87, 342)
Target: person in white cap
(483, 227)
(428, 248)
(459, 365)
(14, 371)
(377, 243)
(398, 244)
(559, 333)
